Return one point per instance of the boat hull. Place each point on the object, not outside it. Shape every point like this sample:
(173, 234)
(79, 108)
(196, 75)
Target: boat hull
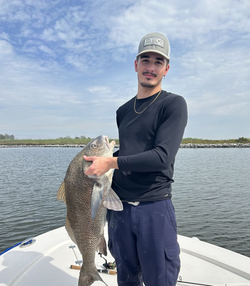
(52, 258)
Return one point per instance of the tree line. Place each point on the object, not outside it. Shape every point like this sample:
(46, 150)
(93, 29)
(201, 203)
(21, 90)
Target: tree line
(7, 136)
(84, 140)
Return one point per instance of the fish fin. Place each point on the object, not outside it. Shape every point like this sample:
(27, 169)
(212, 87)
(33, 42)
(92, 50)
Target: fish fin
(89, 276)
(61, 193)
(112, 201)
(96, 198)
(102, 246)
(69, 230)
(109, 174)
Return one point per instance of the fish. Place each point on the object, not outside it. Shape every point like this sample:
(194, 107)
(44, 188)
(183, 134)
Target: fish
(87, 199)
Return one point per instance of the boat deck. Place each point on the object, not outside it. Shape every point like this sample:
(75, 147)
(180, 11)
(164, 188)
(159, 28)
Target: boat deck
(48, 262)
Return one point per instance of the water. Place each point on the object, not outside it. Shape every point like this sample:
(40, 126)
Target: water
(210, 194)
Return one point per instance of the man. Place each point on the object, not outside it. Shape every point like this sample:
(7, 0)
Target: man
(143, 237)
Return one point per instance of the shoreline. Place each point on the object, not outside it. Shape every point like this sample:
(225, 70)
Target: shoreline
(186, 145)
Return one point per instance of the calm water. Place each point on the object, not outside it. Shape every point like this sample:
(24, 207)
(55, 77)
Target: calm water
(211, 194)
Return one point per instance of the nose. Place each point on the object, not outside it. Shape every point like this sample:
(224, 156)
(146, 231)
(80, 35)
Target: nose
(150, 67)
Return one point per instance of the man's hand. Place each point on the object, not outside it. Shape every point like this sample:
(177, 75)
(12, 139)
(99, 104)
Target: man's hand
(100, 165)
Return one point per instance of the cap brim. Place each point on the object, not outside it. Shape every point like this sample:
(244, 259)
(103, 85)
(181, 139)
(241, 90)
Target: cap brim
(153, 51)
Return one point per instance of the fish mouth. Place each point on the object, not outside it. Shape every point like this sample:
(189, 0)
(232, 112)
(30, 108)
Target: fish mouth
(109, 145)
(107, 142)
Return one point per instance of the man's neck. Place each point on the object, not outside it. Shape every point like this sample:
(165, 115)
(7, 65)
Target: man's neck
(144, 92)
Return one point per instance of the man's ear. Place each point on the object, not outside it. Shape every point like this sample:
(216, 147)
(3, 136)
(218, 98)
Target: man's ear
(136, 64)
(167, 69)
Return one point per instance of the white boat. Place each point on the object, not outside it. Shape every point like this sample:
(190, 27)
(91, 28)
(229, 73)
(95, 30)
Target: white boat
(49, 259)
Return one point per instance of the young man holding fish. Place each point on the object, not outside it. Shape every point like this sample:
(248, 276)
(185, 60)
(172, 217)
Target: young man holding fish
(143, 237)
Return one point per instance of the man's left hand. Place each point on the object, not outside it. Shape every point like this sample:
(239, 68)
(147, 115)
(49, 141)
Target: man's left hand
(100, 165)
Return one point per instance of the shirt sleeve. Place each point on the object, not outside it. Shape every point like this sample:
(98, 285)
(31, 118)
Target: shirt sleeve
(167, 142)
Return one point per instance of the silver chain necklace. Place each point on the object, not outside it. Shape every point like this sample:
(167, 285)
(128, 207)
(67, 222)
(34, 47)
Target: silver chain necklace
(140, 112)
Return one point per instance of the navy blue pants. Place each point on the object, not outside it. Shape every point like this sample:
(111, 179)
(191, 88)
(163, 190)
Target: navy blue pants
(143, 241)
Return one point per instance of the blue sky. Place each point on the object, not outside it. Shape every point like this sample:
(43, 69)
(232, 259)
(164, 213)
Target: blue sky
(66, 66)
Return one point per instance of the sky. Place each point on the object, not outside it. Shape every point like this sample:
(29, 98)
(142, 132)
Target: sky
(67, 65)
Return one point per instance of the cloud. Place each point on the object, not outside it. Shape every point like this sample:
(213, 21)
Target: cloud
(182, 21)
(5, 48)
(73, 61)
(45, 49)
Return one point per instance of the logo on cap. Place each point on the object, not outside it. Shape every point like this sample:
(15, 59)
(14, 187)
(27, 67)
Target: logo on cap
(154, 41)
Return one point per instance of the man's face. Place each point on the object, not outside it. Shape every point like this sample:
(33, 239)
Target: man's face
(150, 68)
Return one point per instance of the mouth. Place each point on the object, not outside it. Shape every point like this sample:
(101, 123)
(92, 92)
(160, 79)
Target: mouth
(109, 145)
(149, 74)
(107, 141)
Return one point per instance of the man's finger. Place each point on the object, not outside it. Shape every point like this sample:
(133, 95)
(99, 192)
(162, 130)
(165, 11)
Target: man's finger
(87, 158)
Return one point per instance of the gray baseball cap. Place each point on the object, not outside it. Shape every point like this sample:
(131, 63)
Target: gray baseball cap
(155, 42)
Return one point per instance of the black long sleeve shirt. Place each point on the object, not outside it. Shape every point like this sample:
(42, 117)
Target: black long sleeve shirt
(148, 145)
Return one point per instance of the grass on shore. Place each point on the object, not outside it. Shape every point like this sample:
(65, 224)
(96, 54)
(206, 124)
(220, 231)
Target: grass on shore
(83, 141)
(208, 141)
(59, 141)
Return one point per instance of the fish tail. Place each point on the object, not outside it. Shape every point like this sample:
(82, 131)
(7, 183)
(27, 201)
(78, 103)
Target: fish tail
(88, 277)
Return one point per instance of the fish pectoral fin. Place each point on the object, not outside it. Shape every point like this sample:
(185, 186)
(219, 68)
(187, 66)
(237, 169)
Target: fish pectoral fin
(96, 198)
(112, 201)
(61, 193)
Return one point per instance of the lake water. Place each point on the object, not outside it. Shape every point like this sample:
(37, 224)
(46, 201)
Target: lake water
(211, 194)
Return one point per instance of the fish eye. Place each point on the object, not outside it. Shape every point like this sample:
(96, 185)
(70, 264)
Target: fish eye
(93, 146)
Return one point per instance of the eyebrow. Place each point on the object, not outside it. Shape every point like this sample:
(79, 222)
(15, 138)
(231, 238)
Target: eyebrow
(146, 56)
